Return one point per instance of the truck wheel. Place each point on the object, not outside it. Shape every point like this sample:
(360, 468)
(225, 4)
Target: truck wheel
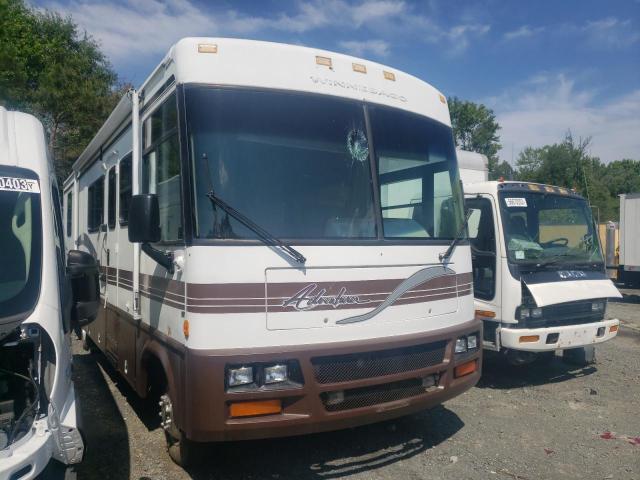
(180, 448)
(580, 356)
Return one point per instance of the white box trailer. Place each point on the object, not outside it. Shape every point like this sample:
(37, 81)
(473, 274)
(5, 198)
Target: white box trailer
(296, 210)
(539, 275)
(44, 294)
(629, 260)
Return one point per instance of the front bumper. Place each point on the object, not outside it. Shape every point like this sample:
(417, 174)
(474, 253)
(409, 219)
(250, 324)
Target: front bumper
(205, 415)
(569, 336)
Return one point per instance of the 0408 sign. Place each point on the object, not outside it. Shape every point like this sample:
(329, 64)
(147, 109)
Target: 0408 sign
(14, 184)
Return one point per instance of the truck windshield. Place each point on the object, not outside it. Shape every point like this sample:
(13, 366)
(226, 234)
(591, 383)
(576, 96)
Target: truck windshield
(20, 243)
(300, 167)
(548, 228)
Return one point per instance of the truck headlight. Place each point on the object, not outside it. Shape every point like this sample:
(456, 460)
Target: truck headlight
(275, 374)
(597, 307)
(239, 376)
(536, 313)
(524, 313)
(461, 345)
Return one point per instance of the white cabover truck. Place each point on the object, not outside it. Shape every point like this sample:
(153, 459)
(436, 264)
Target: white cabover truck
(538, 271)
(629, 260)
(44, 294)
(277, 229)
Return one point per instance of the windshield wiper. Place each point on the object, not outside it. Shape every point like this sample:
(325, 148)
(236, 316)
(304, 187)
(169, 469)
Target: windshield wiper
(262, 234)
(444, 257)
(554, 259)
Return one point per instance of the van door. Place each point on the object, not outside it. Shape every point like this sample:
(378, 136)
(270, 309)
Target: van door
(485, 256)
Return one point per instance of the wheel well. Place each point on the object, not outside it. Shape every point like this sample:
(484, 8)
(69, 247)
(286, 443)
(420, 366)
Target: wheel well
(156, 381)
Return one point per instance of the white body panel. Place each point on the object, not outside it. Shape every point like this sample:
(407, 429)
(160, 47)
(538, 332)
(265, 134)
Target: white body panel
(23, 144)
(552, 293)
(630, 232)
(474, 167)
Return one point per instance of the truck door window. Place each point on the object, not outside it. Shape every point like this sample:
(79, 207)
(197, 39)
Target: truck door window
(483, 247)
(161, 167)
(95, 205)
(111, 193)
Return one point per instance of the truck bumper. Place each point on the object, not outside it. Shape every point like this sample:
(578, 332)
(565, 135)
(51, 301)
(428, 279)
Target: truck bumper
(343, 385)
(558, 338)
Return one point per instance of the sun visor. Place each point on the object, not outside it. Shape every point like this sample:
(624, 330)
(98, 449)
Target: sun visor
(550, 293)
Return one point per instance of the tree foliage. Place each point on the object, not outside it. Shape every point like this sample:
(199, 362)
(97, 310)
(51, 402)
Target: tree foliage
(52, 70)
(475, 129)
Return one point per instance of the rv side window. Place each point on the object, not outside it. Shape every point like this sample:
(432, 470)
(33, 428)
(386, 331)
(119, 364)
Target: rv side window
(125, 177)
(95, 205)
(112, 198)
(161, 167)
(482, 237)
(69, 213)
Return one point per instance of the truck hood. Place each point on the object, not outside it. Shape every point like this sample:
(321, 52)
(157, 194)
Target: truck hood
(549, 288)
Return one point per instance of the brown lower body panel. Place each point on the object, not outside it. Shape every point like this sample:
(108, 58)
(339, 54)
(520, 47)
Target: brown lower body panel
(378, 379)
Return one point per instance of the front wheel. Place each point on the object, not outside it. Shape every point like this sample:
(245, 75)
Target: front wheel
(180, 448)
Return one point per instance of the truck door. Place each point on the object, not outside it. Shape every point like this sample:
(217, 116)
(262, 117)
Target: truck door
(109, 256)
(482, 236)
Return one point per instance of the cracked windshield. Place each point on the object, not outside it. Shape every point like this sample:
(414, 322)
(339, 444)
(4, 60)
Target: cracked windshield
(548, 228)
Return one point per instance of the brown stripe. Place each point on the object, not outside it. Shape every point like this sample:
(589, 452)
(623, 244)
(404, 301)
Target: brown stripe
(162, 300)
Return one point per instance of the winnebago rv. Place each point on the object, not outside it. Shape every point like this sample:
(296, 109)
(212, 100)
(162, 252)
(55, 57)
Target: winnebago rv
(278, 230)
(629, 263)
(539, 278)
(44, 294)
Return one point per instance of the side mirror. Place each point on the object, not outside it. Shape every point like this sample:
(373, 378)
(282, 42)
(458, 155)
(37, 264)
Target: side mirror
(144, 219)
(82, 270)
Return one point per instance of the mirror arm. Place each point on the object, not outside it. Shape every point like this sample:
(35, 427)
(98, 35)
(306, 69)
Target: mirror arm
(165, 259)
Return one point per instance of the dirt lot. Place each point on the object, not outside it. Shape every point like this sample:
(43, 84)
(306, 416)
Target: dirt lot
(540, 421)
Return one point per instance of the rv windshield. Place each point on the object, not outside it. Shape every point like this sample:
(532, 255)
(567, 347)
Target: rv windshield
(548, 228)
(299, 166)
(20, 243)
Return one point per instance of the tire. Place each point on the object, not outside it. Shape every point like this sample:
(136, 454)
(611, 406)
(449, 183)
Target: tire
(179, 447)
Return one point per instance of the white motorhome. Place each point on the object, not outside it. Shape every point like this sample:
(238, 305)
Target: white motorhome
(629, 260)
(44, 294)
(538, 272)
(276, 227)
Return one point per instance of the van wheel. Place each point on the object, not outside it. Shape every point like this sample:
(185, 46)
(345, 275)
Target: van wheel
(180, 448)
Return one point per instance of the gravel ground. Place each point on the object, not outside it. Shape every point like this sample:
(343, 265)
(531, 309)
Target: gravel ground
(540, 421)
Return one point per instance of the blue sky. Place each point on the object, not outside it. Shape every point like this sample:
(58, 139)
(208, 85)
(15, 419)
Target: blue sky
(544, 66)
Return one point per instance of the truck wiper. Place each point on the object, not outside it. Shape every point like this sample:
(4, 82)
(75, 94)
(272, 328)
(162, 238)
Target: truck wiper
(553, 259)
(444, 257)
(262, 234)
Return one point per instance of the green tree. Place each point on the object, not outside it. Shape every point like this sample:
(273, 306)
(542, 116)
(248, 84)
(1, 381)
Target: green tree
(50, 69)
(475, 129)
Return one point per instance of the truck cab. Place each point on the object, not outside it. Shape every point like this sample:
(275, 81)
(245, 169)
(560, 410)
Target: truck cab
(44, 295)
(538, 270)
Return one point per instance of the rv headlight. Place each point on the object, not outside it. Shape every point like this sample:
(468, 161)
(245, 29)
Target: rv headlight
(597, 307)
(461, 345)
(275, 374)
(472, 341)
(536, 313)
(239, 376)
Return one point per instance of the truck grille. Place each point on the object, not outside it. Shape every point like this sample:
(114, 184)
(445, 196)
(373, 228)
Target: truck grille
(374, 395)
(563, 314)
(358, 366)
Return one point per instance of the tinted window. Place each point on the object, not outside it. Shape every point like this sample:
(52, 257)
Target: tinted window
(112, 198)
(297, 165)
(69, 213)
(95, 205)
(161, 167)
(125, 176)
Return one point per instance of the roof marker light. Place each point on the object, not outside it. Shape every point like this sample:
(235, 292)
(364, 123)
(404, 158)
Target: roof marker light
(443, 99)
(358, 67)
(325, 61)
(389, 75)
(207, 48)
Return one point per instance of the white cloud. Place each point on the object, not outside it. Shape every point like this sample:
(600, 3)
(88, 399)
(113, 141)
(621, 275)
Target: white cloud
(378, 48)
(542, 110)
(611, 32)
(523, 32)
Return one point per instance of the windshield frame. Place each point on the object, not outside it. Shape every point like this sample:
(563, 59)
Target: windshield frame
(22, 305)
(189, 188)
(541, 263)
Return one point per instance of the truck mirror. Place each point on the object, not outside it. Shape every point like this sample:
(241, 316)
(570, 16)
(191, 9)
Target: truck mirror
(82, 270)
(144, 219)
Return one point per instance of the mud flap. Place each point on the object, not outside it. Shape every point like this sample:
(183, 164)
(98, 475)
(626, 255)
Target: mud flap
(579, 356)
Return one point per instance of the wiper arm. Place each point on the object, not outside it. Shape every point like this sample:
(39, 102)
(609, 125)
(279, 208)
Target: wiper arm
(552, 260)
(444, 257)
(262, 234)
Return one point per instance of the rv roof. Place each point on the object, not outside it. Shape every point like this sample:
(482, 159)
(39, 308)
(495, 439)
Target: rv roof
(257, 64)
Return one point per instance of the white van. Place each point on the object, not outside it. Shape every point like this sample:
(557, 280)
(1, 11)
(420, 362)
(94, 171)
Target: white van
(287, 263)
(538, 272)
(42, 299)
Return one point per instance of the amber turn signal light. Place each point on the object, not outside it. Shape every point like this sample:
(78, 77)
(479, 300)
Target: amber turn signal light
(254, 409)
(529, 338)
(613, 328)
(465, 369)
